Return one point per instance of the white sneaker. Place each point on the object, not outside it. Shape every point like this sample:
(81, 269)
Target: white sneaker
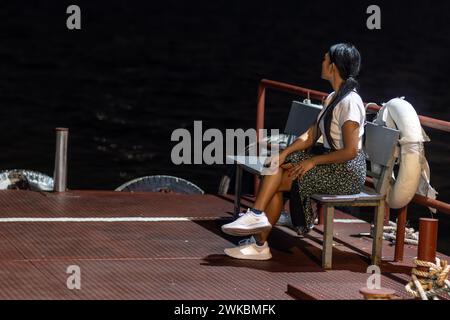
(285, 220)
(247, 224)
(249, 250)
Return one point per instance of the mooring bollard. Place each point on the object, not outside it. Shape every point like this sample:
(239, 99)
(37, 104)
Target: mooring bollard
(426, 284)
(428, 231)
(430, 276)
(60, 173)
(378, 294)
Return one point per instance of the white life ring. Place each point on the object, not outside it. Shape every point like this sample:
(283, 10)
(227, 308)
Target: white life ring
(400, 114)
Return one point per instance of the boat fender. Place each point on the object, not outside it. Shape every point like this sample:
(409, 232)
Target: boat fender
(22, 179)
(160, 183)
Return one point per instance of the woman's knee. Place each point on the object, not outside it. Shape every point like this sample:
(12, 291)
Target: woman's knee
(286, 182)
(275, 176)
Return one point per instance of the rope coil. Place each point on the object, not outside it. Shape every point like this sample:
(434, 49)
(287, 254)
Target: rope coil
(434, 280)
(390, 234)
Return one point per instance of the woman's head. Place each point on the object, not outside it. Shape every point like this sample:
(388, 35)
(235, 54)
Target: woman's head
(341, 61)
(341, 66)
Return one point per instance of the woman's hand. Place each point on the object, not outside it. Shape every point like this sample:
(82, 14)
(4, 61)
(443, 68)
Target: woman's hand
(275, 161)
(297, 171)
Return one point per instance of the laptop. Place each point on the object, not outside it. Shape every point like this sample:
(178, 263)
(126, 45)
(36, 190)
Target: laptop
(301, 116)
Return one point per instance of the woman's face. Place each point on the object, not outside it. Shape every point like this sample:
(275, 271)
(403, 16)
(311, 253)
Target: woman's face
(327, 67)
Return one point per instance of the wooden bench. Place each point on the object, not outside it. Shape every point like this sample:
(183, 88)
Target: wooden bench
(380, 143)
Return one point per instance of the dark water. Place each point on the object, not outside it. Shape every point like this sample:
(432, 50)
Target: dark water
(139, 70)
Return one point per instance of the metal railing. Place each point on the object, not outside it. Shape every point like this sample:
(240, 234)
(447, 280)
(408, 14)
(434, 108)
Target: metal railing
(318, 95)
(427, 122)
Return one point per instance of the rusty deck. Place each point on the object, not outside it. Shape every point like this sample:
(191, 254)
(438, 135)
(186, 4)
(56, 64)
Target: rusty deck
(168, 246)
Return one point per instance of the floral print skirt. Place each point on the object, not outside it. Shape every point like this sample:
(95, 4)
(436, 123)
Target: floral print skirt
(335, 178)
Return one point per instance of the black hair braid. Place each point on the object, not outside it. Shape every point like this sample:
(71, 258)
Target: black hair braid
(348, 86)
(348, 61)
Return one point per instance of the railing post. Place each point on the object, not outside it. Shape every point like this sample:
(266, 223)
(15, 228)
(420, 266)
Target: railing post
(400, 238)
(387, 215)
(60, 173)
(260, 109)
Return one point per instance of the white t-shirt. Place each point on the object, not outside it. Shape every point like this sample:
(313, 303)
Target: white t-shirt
(349, 108)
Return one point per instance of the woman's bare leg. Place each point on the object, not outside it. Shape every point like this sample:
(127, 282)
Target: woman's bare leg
(267, 189)
(273, 212)
(274, 207)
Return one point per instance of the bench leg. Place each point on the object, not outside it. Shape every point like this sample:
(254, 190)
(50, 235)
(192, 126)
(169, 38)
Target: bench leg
(320, 213)
(378, 235)
(237, 191)
(328, 238)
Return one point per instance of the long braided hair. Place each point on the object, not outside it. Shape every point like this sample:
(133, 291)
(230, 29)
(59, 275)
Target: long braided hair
(347, 59)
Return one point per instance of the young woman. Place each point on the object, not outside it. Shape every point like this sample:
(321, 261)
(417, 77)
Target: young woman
(339, 168)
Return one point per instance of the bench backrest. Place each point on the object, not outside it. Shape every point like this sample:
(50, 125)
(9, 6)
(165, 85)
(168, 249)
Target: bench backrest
(301, 117)
(380, 144)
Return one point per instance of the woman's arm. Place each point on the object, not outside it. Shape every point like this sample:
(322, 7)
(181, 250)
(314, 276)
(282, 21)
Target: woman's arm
(350, 134)
(303, 142)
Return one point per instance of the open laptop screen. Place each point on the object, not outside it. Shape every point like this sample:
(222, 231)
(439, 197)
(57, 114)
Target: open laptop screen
(301, 117)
